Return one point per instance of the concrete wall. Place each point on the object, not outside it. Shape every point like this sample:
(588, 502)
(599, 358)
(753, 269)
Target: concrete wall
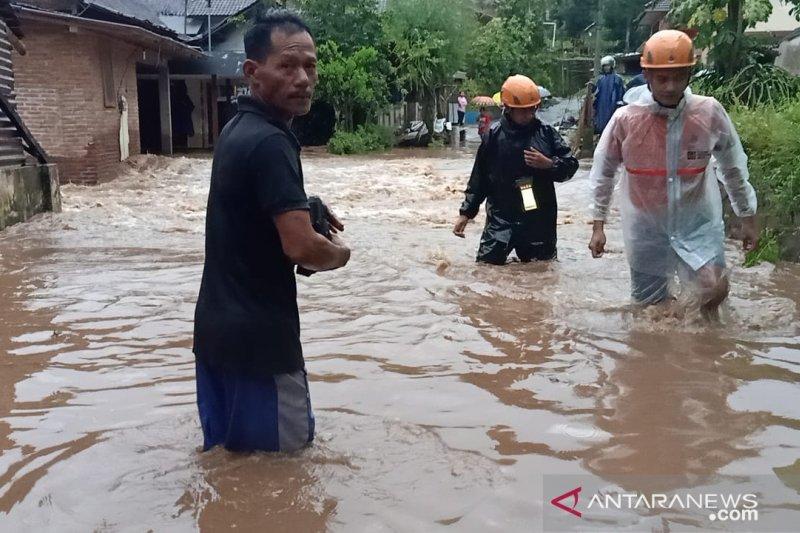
(59, 85)
(789, 56)
(26, 191)
(197, 92)
(233, 42)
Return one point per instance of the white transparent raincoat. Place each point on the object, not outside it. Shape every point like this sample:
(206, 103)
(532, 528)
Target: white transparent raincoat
(670, 201)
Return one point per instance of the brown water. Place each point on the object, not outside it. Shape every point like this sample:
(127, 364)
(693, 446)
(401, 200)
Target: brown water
(444, 390)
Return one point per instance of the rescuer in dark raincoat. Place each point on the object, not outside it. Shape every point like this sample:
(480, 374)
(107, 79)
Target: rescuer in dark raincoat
(608, 94)
(515, 169)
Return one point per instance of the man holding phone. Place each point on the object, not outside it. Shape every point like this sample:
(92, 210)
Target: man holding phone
(515, 170)
(252, 389)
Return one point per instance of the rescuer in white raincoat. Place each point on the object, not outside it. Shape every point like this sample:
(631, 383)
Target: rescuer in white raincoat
(670, 202)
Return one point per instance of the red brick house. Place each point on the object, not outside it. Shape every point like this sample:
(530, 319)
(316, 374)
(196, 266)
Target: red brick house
(81, 60)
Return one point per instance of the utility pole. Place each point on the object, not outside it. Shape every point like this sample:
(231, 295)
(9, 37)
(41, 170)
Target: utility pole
(598, 27)
(185, 14)
(209, 26)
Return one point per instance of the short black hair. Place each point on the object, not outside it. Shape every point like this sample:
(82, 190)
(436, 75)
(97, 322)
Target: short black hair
(258, 39)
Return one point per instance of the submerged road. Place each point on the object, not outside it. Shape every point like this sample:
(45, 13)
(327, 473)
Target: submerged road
(447, 394)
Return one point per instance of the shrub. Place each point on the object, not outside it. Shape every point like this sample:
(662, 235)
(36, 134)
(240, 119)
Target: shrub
(771, 137)
(368, 138)
(753, 86)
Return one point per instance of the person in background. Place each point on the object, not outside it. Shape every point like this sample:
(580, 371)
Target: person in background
(462, 107)
(484, 122)
(252, 389)
(636, 81)
(608, 93)
(517, 165)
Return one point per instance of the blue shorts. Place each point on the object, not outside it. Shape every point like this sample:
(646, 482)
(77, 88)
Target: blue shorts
(246, 413)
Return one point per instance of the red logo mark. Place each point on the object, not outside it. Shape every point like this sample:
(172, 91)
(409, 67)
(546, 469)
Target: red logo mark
(574, 493)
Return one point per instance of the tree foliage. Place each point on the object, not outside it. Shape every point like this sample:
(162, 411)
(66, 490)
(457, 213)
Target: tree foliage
(427, 45)
(351, 24)
(508, 46)
(351, 82)
(617, 21)
(722, 24)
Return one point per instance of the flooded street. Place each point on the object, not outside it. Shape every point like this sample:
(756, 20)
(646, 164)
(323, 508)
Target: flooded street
(443, 390)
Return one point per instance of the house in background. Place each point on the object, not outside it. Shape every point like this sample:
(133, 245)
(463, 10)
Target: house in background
(77, 86)
(210, 83)
(28, 183)
(780, 23)
(655, 15)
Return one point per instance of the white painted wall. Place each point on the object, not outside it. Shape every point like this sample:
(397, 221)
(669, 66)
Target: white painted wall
(234, 42)
(779, 22)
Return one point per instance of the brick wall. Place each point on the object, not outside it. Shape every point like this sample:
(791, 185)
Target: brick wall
(59, 85)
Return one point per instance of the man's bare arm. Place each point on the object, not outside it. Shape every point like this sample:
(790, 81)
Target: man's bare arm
(307, 248)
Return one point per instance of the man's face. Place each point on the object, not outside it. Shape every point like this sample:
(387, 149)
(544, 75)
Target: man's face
(522, 115)
(668, 84)
(607, 69)
(286, 77)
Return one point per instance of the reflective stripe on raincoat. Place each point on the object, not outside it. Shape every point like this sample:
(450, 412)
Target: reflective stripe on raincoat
(669, 194)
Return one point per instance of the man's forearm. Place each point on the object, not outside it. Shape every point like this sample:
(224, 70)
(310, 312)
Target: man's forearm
(324, 255)
(599, 225)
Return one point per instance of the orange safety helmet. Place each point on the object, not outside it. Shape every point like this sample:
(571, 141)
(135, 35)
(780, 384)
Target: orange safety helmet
(520, 91)
(668, 49)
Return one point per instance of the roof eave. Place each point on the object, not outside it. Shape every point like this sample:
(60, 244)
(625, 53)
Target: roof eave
(131, 34)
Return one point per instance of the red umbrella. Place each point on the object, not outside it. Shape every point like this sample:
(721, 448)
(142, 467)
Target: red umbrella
(484, 101)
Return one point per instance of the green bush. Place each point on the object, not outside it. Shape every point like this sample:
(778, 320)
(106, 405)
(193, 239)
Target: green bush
(771, 137)
(754, 86)
(368, 138)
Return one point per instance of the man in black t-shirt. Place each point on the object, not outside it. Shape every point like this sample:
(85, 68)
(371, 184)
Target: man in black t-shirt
(252, 391)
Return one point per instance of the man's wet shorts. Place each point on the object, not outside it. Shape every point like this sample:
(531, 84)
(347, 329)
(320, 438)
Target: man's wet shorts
(246, 412)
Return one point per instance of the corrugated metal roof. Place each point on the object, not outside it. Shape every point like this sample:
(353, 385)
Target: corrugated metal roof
(168, 7)
(136, 9)
(659, 5)
(218, 7)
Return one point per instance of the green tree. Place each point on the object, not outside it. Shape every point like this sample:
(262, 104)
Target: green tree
(575, 16)
(523, 8)
(352, 83)
(427, 42)
(351, 24)
(617, 22)
(507, 46)
(722, 24)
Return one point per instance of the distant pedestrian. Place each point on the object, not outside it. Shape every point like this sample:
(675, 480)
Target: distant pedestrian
(608, 94)
(462, 107)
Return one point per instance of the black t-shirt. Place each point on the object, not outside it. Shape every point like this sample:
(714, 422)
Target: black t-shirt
(246, 317)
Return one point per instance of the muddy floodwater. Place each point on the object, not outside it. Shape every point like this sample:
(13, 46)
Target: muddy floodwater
(448, 395)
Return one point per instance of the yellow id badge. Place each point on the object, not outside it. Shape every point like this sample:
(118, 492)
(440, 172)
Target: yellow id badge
(525, 186)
